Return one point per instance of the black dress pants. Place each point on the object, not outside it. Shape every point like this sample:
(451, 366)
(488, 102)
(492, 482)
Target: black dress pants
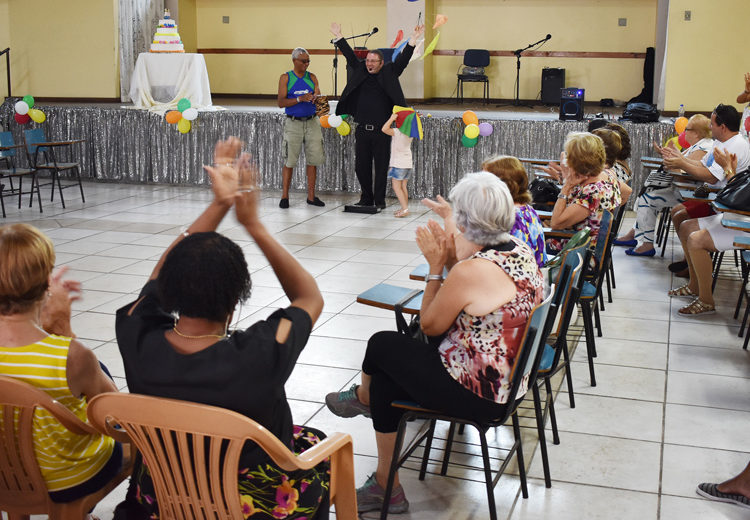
(372, 145)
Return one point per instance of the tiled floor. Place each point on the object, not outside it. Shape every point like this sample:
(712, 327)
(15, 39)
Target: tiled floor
(668, 412)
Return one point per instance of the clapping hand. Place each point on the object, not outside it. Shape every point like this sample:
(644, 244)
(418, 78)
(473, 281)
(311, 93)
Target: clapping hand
(440, 206)
(672, 157)
(726, 160)
(432, 241)
(747, 81)
(223, 173)
(554, 170)
(55, 316)
(246, 200)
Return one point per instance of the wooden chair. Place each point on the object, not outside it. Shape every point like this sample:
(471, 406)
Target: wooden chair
(11, 171)
(36, 145)
(192, 452)
(525, 366)
(22, 489)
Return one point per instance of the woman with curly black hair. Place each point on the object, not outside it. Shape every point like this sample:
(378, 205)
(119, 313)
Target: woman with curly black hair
(175, 342)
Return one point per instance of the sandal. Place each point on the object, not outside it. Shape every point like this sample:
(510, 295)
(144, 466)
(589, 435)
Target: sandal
(400, 213)
(697, 307)
(683, 290)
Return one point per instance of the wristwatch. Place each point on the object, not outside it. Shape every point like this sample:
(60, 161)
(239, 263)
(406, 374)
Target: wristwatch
(435, 277)
(297, 99)
(561, 196)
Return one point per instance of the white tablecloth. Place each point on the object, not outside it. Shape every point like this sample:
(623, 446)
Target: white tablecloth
(160, 80)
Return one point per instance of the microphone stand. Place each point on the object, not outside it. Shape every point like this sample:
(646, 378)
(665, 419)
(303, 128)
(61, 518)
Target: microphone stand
(517, 52)
(336, 59)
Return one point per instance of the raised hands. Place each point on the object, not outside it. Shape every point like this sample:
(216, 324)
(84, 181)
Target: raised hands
(440, 206)
(336, 29)
(55, 316)
(726, 160)
(223, 173)
(246, 201)
(435, 244)
(418, 32)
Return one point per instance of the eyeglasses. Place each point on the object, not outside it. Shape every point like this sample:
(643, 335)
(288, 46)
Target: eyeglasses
(688, 129)
(373, 61)
(303, 61)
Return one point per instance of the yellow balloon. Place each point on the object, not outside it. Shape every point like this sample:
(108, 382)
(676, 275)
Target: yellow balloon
(183, 125)
(344, 128)
(471, 131)
(37, 115)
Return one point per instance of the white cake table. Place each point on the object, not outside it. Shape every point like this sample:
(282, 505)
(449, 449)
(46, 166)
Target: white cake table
(160, 80)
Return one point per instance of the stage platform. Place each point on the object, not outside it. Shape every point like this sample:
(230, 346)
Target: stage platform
(123, 144)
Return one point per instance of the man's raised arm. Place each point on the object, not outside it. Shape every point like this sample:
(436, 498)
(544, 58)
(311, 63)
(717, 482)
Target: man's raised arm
(402, 60)
(340, 42)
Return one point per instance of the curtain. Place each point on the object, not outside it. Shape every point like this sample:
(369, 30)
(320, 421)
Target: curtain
(138, 20)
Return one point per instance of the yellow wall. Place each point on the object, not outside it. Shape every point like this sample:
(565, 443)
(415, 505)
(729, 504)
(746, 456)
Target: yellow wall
(64, 49)
(279, 24)
(707, 56)
(575, 25)
(188, 24)
(4, 43)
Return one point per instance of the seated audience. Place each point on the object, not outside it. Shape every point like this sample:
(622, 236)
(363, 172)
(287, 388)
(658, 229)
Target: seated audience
(621, 164)
(475, 317)
(700, 237)
(641, 237)
(587, 189)
(725, 123)
(37, 347)
(175, 343)
(744, 97)
(612, 147)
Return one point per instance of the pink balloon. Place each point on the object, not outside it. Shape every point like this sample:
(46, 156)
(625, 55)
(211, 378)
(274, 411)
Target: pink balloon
(485, 129)
(747, 124)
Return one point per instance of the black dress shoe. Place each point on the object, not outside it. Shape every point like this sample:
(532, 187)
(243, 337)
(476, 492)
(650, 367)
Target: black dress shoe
(316, 202)
(363, 203)
(676, 267)
(380, 205)
(284, 203)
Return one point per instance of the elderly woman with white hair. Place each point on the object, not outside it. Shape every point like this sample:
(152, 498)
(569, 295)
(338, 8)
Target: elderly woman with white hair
(475, 318)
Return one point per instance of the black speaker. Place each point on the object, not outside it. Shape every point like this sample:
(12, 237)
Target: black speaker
(552, 81)
(571, 104)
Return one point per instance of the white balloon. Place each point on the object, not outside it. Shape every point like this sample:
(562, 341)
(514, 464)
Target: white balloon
(335, 121)
(190, 114)
(22, 107)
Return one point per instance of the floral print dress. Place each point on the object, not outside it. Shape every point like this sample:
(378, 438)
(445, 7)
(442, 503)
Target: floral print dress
(478, 351)
(528, 227)
(595, 197)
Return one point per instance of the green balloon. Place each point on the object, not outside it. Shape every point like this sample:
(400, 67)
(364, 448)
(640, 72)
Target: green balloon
(469, 143)
(29, 100)
(344, 116)
(183, 104)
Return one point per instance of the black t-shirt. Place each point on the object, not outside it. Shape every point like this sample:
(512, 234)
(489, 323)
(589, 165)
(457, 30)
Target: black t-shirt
(373, 104)
(245, 372)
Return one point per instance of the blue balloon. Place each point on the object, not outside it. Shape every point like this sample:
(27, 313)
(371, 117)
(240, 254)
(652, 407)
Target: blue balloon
(399, 48)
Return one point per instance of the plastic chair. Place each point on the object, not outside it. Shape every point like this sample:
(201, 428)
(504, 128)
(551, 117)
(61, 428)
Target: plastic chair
(10, 172)
(36, 144)
(22, 488)
(525, 366)
(592, 287)
(474, 60)
(192, 452)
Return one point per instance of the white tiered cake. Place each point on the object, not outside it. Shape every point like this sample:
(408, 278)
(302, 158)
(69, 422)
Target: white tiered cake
(166, 38)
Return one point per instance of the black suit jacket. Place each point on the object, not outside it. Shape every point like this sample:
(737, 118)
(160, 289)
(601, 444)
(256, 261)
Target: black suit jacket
(387, 78)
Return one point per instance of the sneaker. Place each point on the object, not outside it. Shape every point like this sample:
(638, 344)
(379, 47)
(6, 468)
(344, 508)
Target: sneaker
(711, 491)
(370, 497)
(346, 404)
(284, 203)
(316, 202)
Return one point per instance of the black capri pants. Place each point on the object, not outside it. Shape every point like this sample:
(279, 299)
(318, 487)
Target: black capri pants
(403, 368)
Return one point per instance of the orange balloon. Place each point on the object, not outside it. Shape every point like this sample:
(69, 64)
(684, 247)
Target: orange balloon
(680, 124)
(470, 118)
(324, 121)
(173, 116)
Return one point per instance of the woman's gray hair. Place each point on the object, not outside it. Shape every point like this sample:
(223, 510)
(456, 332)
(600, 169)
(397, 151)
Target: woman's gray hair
(483, 208)
(296, 53)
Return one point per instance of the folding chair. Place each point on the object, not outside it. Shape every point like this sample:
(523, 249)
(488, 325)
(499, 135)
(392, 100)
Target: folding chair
(37, 144)
(11, 171)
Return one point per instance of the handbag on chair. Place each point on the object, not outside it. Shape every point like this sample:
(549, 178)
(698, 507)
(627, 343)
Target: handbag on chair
(736, 194)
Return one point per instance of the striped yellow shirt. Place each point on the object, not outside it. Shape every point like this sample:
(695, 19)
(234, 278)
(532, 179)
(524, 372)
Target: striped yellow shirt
(65, 459)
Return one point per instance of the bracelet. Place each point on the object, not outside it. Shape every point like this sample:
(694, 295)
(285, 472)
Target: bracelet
(561, 196)
(297, 99)
(729, 173)
(433, 277)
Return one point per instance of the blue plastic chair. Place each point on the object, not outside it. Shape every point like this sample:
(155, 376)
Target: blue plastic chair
(11, 171)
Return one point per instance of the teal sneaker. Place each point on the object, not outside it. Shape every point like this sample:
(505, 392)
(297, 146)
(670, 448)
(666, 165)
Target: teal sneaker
(370, 497)
(346, 404)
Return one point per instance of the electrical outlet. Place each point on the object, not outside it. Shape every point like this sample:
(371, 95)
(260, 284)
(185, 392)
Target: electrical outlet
(224, 19)
(622, 22)
(688, 16)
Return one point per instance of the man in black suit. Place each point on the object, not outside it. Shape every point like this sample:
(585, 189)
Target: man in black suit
(369, 96)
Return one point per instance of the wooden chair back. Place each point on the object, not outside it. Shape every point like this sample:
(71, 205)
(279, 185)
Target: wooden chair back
(192, 452)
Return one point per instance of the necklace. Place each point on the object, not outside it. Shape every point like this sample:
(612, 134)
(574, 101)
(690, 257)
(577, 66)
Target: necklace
(202, 336)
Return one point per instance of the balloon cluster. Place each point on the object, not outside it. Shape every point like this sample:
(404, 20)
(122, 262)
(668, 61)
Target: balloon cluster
(473, 129)
(337, 122)
(25, 111)
(183, 116)
(680, 125)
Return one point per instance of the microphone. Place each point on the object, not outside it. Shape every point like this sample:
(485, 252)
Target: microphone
(375, 29)
(549, 36)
